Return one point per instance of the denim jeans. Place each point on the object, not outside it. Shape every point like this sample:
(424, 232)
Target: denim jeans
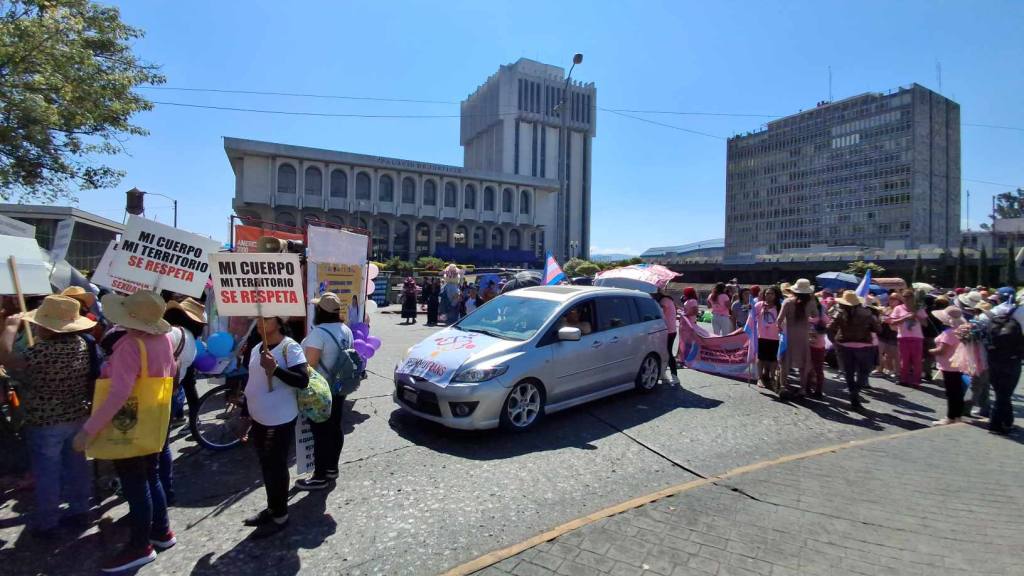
(58, 470)
(979, 394)
(147, 506)
(1003, 377)
(857, 366)
(272, 444)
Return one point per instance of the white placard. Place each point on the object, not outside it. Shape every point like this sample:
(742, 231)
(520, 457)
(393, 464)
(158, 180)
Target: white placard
(102, 277)
(163, 257)
(304, 462)
(33, 271)
(62, 239)
(333, 246)
(256, 284)
(12, 227)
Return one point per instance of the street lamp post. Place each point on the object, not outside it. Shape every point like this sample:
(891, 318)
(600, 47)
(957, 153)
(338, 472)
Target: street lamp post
(135, 204)
(563, 197)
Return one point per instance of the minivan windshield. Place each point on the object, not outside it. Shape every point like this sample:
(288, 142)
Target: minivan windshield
(509, 317)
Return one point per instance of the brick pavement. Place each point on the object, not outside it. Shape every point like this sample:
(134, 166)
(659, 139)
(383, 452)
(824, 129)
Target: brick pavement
(946, 501)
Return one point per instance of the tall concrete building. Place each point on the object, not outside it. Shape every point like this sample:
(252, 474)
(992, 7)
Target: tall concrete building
(874, 170)
(502, 207)
(512, 124)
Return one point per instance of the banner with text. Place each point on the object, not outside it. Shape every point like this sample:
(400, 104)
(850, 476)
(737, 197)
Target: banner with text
(257, 284)
(102, 277)
(345, 280)
(725, 355)
(163, 257)
(247, 237)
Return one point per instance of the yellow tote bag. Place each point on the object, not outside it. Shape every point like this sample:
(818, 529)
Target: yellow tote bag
(140, 426)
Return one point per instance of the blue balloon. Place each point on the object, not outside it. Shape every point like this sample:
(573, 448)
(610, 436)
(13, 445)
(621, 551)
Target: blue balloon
(220, 344)
(205, 363)
(200, 348)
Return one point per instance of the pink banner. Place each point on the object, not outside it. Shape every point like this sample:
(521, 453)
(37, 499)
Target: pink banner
(725, 355)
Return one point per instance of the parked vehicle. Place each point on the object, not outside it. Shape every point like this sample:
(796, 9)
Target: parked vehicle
(533, 352)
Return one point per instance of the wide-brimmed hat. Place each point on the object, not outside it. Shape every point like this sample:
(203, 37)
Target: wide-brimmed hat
(143, 310)
(786, 288)
(951, 316)
(849, 298)
(802, 286)
(191, 308)
(328, 302)
(81, 294)
(59, 314)
(970, 299)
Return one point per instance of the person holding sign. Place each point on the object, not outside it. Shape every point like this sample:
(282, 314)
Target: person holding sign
(277, 367)
(146, 343)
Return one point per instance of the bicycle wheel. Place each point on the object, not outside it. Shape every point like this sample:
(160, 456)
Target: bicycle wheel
(218, 423)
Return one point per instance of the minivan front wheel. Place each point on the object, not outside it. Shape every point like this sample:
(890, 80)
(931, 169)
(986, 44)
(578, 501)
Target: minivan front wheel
(523, 406)
(650, 373)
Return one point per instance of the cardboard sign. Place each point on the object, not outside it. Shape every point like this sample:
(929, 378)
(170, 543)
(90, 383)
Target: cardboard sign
(333, 246)
(246, 237)
(102, 277)
(345, 280)
(33, 271)
(12, 227)
(163, 257)
(304, 462)
(258, 284)
(62, 239)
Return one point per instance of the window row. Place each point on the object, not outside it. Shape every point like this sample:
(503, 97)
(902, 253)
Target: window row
(286, 184)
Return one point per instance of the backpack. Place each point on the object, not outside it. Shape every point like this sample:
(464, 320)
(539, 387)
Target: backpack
(1005, 338)
(343, 376)
(314, 401)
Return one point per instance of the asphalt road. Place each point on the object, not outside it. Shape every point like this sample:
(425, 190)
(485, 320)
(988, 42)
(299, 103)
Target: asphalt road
(415, 498)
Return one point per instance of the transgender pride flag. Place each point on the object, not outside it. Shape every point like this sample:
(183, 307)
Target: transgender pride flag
(552, 271)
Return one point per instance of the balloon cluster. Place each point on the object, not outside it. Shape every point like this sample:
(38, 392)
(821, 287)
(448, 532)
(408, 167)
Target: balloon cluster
(218, 345)
(364, 344)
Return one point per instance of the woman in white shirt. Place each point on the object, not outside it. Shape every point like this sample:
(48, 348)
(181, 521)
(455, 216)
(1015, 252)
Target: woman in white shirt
(326, 342)
(274, 375)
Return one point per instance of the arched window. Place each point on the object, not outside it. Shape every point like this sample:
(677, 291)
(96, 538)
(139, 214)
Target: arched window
(489, 199)
(497, 238)
(380, 240)
(285, 219)
(506, 200)
(286, 179)
(336, 220)
(422, 239)
(524, 202)
(314, 181)
(479, 237)
(442, 236)
(386, 192)
(362, 186)
(339, 184)
(450, 195)
(401, 240)
(461, 237)
(362, 223)
(513, 239)
(429, 193)
(408, 190)
(470, 202)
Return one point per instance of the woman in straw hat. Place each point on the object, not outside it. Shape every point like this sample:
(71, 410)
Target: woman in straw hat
(58, 374)
(854, 327)
(907, 318)
(141, 317)
(946, 345)
(795, 318)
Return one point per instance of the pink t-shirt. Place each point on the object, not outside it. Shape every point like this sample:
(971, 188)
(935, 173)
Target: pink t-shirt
(668, 310)
(949, 338)
(123, 368)
(719, 305)
(904, 328)
(766, 321)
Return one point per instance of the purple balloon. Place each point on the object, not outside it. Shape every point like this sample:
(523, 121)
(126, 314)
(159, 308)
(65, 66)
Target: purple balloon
(362, 348)
(359, 334)
(205, 362)
(374, 342)
(361, 327)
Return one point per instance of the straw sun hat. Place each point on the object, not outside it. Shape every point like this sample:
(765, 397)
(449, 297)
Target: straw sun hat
(191, 308)
(951, 316)
(59, 314)
(802, 286)
(142, 311)
(849, 298)
(81, 294)
(328, 302)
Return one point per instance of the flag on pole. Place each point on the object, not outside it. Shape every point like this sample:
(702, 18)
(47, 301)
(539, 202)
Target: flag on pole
(865, 285)
(552, 271)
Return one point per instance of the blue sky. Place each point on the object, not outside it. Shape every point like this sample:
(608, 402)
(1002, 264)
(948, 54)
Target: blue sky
(652, 185)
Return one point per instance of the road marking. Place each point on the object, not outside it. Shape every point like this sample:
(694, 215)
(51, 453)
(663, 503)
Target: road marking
(496, 556)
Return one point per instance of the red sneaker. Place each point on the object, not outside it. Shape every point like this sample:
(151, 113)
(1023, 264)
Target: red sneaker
(163, 541)
(129, 558)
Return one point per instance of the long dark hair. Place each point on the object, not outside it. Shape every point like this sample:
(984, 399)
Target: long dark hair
(774, 288)
(801, 305)
(321, 316)
(718, 289)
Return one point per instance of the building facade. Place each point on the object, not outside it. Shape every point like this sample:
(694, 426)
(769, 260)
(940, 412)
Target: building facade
(874, 170)
(502, 207)
(89, 239)
(709, 249)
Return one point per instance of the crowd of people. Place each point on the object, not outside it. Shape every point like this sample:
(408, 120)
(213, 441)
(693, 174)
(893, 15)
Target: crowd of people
(141, 340)
(970, 337)
(446, 300)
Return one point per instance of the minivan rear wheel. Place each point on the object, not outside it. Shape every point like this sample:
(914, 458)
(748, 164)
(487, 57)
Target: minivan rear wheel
(524, 406)
(649, 374)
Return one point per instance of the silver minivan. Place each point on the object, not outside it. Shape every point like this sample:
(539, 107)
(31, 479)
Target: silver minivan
(532, 352)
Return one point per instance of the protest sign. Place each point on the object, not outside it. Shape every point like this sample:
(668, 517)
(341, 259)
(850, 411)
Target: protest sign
(33, 272)
(102, 277)
(257, 284)
(725, 355)
(62, 239)
(345, 280)
(163, 257)
(304, 462)
(247, 237)
(12, 227)
(333, 246)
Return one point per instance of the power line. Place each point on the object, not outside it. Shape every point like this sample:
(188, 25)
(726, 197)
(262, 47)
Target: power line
(656, 123)
(294, 113)
(296, 94)
(680, 113)
(997, 127)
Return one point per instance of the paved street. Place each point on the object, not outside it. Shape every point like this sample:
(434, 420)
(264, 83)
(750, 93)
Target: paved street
(414, 498)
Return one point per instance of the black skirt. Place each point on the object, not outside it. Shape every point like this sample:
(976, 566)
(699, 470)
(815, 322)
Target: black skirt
(409, 307)
(767, 350)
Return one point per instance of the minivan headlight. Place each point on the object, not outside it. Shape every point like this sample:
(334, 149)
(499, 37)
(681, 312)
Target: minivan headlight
(479, 374)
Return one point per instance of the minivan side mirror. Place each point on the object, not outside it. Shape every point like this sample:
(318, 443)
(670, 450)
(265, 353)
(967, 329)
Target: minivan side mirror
(569, 334)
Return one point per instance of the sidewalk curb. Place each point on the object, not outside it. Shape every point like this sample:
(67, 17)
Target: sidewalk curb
(496, 556)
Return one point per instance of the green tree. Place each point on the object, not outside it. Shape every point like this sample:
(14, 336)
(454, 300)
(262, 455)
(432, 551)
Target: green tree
(587, 268)
(961, 268)
(570, 266)
(67, 72)
(982, 268)
(398, 266)
(860, 267)
(430, 263)
(1011, 265)
(1008, 205)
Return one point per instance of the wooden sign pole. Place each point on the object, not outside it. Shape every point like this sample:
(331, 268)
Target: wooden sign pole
(21, 300)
